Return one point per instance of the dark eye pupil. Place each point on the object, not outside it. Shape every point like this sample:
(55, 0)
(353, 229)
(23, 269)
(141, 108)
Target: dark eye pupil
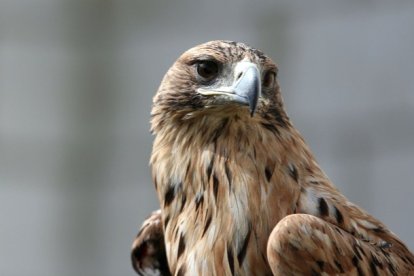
(207, 69)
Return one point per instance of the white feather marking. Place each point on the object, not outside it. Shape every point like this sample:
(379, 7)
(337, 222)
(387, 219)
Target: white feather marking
(151, 272)
(309, 203)
(191, 263)
(366, 224)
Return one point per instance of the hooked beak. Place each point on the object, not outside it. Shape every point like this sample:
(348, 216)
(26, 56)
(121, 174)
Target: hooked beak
(245, 90)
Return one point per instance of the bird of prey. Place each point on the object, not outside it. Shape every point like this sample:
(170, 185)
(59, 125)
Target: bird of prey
(239, 189)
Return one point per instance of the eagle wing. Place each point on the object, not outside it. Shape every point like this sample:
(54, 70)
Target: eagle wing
(148, 249)
(303, 244)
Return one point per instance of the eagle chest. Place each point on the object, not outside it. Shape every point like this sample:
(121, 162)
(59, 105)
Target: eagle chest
(211, 213)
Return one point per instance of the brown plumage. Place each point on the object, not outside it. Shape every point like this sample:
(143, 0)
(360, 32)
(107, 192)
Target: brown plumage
(240, 191)
(148, 250)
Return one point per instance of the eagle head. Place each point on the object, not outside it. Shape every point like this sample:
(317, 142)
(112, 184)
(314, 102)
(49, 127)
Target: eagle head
(219, 79)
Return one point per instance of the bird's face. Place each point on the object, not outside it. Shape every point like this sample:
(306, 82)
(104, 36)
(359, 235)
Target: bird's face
(219, 77)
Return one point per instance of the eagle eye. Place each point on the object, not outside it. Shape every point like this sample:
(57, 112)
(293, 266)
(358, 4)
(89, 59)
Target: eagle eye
(269, 79)
(207, 69)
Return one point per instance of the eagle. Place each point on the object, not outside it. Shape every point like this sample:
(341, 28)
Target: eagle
(240, 191)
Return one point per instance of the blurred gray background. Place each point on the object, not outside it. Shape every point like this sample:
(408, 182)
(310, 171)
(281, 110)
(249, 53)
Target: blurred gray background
(76, 82)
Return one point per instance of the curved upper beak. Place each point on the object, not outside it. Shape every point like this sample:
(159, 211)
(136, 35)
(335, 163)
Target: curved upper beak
(245, 89)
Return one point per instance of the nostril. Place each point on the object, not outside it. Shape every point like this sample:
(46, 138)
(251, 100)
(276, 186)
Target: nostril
(239, 75)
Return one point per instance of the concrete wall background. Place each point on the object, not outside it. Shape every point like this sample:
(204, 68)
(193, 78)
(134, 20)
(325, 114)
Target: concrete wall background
(76, 82)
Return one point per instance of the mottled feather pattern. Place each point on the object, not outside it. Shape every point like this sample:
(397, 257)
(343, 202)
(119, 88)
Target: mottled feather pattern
(243, 194)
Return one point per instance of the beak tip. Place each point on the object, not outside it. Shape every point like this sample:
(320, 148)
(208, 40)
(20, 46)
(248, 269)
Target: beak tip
(253, 104)
(252, 110)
